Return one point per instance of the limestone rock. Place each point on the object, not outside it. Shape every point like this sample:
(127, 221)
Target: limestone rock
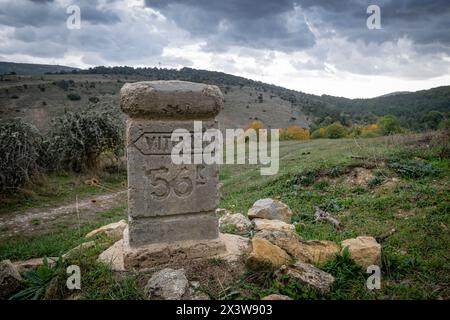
(265, 224)
(10, 279)
(113, 231)
(33, 263)
(221, 212)
(365, 251)
(78, 249)
(276, 297)
(236, 247)
(270, 209)
(167, 284)
(236, 221)
(113, 256)
(264, 254)
(305, 274)
(311, 251)
(317, 251)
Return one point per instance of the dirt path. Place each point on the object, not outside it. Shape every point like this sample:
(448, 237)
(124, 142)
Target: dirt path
(38, 220)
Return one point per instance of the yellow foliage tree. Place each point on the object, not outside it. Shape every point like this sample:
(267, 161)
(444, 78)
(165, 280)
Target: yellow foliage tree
(255, 124)
(371, 127)
(294, 133)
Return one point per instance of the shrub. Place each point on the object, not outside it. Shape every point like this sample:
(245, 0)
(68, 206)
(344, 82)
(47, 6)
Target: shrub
(319, 133)
(94, 99)
(78, 139)
(19, 151)
(294, 133)
(63, 84)
(413, 169)
(389, 124)
(335, 131)
(256, 124)
(73, 96)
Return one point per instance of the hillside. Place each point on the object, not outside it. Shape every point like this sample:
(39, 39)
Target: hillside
(362, 184)
(31, 69)
(38, 98)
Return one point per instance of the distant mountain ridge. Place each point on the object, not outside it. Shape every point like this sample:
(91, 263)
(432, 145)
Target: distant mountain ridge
(246, 100)
(31, 68)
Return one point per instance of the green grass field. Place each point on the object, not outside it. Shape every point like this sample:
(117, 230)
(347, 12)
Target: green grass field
(370, 185)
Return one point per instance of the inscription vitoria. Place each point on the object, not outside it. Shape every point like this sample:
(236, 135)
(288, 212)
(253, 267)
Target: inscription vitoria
(157, 143)
(154, 143)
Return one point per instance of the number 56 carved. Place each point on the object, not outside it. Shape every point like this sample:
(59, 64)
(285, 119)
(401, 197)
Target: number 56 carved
(163, 182)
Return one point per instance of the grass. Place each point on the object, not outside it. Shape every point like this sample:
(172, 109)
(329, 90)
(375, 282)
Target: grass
(55, 243)
(411, 196)
(56, 189)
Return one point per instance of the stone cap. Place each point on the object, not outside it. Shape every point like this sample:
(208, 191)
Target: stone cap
(170, 99)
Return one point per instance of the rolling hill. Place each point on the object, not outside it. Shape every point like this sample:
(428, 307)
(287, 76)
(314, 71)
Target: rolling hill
(39, 96)
(31, 69)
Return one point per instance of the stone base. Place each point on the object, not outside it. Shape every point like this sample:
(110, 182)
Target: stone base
(167, 254)
(176, 254)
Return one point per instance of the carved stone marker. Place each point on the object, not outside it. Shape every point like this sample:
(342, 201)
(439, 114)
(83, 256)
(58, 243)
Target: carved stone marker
(170, 206)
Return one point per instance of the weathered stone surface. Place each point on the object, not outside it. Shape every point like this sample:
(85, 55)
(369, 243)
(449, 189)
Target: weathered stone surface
(10, 279)
(231, 248)
(199, 226)
(306, 275)
(113, 231)
(113, 256)
(33, 264)
(317, 251)
(275, 225)
(169, 253)
(171, 99)
(78, 249)
(169, 202)
(221, 212)
(276, 297)
(311, 251)
(236, 221)
(365, 251)
(236, 246)
(167, 284)
(270, 209)
(266, 255)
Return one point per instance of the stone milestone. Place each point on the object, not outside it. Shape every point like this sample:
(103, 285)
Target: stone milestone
(169, 204)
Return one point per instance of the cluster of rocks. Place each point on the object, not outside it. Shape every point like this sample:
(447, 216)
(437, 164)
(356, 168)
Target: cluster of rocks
(266, 239)
(276, 244)
(10, 272)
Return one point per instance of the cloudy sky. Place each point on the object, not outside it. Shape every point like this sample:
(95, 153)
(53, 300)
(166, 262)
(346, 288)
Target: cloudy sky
(315, 46)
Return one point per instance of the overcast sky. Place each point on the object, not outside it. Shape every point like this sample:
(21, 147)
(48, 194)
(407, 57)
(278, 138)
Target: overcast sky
(315, 46)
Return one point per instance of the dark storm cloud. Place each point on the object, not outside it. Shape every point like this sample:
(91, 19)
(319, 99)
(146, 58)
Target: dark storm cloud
(264, 23)
(257, 24)
(38, 29)
(20, 13)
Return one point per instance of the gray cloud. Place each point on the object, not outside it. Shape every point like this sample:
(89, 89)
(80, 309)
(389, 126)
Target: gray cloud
(414, 41)
(263, 23)
(257, 24)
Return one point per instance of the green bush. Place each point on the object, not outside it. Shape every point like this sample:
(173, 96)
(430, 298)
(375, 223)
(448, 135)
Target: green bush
(413, 169)
(19, 151)
(335, 131)
(73, 96)
(76, 140)
(316, 134)
(389, 124)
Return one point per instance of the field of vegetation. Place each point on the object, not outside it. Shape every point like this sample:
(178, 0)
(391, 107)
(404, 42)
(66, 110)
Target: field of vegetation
(371, 185)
